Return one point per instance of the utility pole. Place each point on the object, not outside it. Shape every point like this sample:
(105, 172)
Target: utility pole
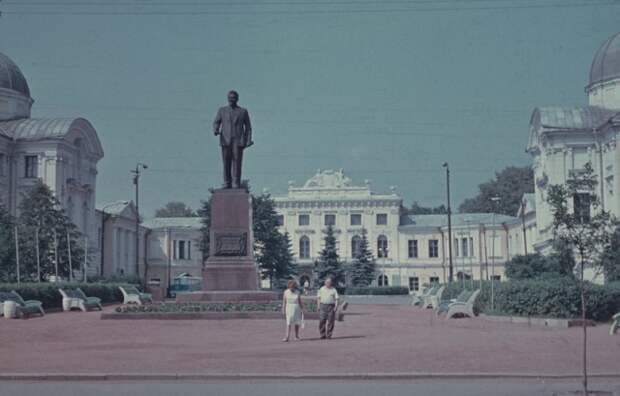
(523, 205)
(17, 256)
(450, 267)
(136, 182)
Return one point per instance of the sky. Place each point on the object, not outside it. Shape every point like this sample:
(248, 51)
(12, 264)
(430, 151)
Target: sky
(387, 90)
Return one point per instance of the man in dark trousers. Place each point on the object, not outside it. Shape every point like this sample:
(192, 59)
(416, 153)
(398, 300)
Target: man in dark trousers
(327, 304)
(232, 124)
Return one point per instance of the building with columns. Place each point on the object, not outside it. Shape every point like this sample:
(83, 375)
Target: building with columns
(411, 250)
(62, 152)
(563, 139)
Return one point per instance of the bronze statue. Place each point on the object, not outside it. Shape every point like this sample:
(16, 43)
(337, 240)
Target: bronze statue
(232, 124)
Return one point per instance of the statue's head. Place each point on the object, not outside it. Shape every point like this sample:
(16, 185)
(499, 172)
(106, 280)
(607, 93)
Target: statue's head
(233, 98)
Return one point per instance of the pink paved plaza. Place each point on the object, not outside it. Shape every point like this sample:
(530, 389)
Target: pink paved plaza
(372, 339)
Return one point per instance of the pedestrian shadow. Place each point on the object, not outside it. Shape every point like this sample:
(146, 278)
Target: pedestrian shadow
(334, 338)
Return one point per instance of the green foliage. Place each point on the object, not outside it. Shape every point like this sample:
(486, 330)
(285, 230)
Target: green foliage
(208, 307)
(536, 266)
(417, 209)
(273, 249)
(377, 291)
(175, 209)
(205, 214)
(509, 185)
(42, 218)
(328, 264)
(363, 268)
(610, 260)
(543, 297)
(7, 246)
(116, 278)
(49, 295)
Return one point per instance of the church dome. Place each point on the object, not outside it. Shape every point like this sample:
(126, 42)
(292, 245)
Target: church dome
(606, 63)
(11, 77)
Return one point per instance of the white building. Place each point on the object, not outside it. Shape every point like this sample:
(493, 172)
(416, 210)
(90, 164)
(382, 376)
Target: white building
(563, 139)
(410, 250)
(62, 152)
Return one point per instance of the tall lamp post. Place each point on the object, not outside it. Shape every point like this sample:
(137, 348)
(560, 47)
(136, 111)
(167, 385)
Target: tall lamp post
(450, 267)
(494, 200)
(136, 182)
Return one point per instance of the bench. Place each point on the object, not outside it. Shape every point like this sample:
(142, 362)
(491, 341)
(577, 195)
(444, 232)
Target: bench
(615, 325)
(433, 299)
(131, 295)
(418, 299)
(24, 307)
(461, 298)
(463, 308)
(76, 298)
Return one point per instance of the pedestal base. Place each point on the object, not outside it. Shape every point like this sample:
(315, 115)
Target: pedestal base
(230, 275)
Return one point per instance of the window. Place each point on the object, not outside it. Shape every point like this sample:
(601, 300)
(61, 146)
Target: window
(330, 220)
(2, 163)
(412, 245)
(464, 247)
(382, 219)
(280, 220)
(304, 219)
(31, 166)
(382, 280)
(496, 278)
(581, 205)
(471, 247)
(382, 246)
(455, 247)
(182, 250)
(356, 219)
(304, 247)
(433, 248)
(414, 283)
(433, 280)
(355, 245)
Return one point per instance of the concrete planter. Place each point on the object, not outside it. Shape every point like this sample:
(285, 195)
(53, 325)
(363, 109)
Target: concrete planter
(539, 322)
(9, 309)
(201, 315)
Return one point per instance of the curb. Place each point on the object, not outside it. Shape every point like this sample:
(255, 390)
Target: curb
(292, 377)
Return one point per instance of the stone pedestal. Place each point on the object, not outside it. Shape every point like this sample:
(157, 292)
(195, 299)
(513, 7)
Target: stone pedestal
(230, 273)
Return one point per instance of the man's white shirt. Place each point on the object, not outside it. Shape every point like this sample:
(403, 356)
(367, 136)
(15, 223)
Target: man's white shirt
(327, 295)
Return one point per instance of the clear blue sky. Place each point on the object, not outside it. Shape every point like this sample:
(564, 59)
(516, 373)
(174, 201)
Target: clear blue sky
(386, 90)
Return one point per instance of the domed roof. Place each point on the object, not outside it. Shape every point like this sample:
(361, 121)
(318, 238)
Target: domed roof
(11, 77)
(606, 63)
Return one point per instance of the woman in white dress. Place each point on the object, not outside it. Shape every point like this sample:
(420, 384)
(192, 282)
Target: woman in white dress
(292, 308)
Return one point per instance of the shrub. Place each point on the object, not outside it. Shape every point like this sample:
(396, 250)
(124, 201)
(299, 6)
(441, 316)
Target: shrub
(48, 293)
(544, 297)
(534, 266)
(375, 291)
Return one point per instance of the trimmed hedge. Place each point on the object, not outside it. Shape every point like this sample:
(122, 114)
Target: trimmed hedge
(49, 295)
(207, 307)
(551, 297)
(377, 291)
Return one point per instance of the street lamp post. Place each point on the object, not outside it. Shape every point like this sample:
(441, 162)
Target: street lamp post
(136, 182)
(494, 200)
(450, 267)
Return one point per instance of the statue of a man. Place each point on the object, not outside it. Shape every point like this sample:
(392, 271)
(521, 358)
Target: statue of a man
(232, 124)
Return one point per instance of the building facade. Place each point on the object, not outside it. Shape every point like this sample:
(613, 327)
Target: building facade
(62, 152)
(409, 250)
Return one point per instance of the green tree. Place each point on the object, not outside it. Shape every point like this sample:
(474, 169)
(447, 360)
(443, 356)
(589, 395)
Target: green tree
(328, 264)
(610, 261)
(286, 266)
(7, 246)
(579, 221)
(176, 209)
(363, 267)
(417, 209)
(509, 185)
(59, 249)
(205, 214)
(534, 266)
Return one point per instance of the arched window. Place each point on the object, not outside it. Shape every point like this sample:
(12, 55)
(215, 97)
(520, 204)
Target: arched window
(382, 280)
(304, 247)
(356, 242)
(382, 246)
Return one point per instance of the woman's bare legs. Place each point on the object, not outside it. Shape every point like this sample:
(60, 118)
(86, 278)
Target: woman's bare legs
(288, 333)
(297, 333)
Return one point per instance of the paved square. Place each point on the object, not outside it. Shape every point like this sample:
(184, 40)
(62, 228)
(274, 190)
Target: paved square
(372, 339)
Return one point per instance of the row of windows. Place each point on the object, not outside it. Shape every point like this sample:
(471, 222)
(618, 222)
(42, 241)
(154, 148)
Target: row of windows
(31, 166)
(382, 247)
(355, 219)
